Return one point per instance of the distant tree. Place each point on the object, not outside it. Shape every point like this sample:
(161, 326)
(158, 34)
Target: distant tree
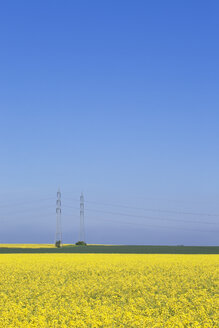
(80, 243)
(58, 243)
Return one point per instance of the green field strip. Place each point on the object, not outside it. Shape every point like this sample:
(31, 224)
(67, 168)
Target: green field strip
(124, 249)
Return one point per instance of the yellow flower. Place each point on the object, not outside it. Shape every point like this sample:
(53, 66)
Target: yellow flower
(105, 290)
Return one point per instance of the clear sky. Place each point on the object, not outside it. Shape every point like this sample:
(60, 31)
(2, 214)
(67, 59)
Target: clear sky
(118, 99)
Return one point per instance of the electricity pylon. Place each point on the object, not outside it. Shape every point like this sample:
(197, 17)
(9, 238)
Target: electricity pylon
(58, 239)
(82, 230)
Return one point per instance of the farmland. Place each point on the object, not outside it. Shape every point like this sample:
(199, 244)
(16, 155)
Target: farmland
(108, 290)
(107, 249)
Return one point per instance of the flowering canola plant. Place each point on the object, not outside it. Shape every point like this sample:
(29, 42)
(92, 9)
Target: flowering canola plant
(105, 290)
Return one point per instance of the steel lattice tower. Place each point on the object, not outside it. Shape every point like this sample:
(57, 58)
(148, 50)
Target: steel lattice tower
(82, 231)
(58, 240)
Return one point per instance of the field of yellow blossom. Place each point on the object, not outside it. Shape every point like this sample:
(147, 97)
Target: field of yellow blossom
(27, 245)
(103, 290)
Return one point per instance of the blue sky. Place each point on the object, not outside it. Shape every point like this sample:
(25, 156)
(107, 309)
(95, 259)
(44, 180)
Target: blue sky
(118, 99)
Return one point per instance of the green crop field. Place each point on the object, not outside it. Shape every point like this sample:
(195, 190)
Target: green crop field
(110, 249)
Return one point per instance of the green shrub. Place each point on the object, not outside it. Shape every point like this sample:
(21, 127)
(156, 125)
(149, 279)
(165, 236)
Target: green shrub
(81, 243)
(58, 243)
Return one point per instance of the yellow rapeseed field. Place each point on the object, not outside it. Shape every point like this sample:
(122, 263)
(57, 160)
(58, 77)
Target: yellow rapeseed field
(28, 245)
(103, 290)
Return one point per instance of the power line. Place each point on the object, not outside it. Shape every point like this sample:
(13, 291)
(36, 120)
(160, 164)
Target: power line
(145, 217)
(160, 199)
(26, 210)
(151, 209)
(154, 226)
(151, 225)
(26, 202)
